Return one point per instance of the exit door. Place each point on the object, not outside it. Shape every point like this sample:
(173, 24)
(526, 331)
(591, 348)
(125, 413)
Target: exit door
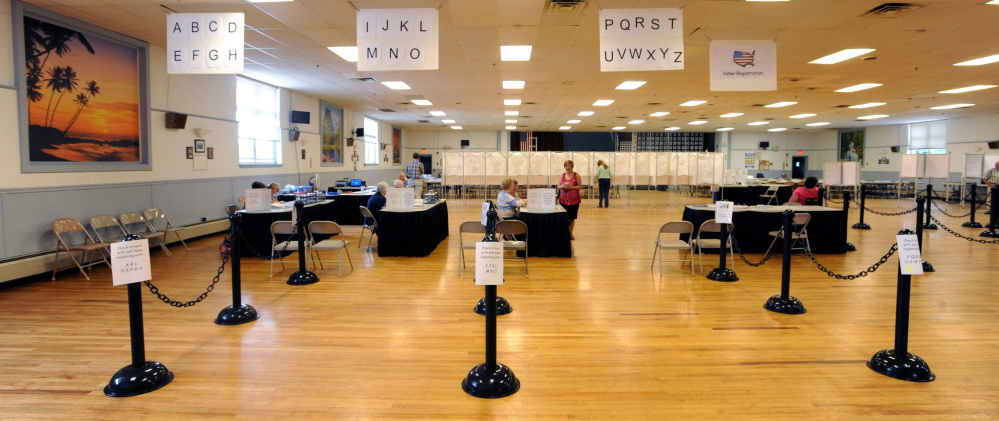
(428, 163)
(799, 166)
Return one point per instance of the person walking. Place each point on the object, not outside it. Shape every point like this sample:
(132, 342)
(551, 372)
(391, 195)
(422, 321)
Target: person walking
(603, 181)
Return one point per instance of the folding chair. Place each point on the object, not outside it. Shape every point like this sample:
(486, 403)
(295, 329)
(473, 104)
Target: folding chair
(712, 243)
(770, 194)
(68, 226)
(674, 227)
(135, 224)
(107, 229)
(372, 228)
(291, 244)
(154, 214)
(231, 209)
(338, 243)
(799, 235)
(515, 228)
(477, 230)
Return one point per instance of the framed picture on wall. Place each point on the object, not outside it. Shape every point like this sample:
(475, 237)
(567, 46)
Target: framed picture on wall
(331, 134)
(84, 99)
(851, 145)
(396, 145)
(199, 145)
(211, 153)
(190, 152)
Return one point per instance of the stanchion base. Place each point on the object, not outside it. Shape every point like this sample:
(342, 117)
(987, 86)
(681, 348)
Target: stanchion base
(930, 226)
(483, 382)
(790, 305)
(722, 275)
(230, 316)
(927, 267)
(911, 368)
(972, 224)
(989, 234)
(859, 226)
(851, 247)
(502, 307)
(134, 381)
(302, 278)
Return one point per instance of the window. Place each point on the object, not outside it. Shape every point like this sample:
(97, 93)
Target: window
(370, 141)
(928, 138)
(259, 127)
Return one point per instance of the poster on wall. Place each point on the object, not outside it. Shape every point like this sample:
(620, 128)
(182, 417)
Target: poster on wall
(641, 39)
(851, 145)
(396, 145)
(84, 100)
(397, 39)
(331, 134)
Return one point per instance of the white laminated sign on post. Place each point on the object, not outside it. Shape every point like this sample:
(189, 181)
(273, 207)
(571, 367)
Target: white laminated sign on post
(130, 262)
(489, 263)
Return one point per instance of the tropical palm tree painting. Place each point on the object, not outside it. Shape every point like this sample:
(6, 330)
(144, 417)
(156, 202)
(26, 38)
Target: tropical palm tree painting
(83, 96)
(331, 134)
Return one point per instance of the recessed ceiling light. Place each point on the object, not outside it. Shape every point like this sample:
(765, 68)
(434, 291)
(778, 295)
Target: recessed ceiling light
(603, 102)
(585, 113)
(776, 129)
(968, 89)
(511, 102)
(513, 84)
(396, 85)
(803, 115)
(438, 113)
(725, 129)
(573, 121)
(842, 55)
(672, 128)
(515, 52)
(510, 121)
(868, 105)
(511, 127)
(698, 122)
(456, 127)
(872, 117)
(692, 103)
(759, 123)
(729, 115)
(993, 2)
(859, 87)
(511, 112)
(634, 84)
(565, 127)
(636, 121)
(346, 53)
(619, 128)
(659, 114)
(979, 61)
(780, 104)
(422, 102)
(821, 123)
(952, 106)
(447, 121)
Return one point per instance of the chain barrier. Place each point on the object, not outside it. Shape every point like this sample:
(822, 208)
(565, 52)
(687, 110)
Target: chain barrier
(955, 216)
(211, 287)
(874, 267)
(735, 246)
(961, 236)
(885, 213)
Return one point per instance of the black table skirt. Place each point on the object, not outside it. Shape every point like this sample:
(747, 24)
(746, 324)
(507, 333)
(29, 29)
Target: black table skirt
(750, 195)
(547, 234)
(826, 231)
(413, 234)
(347, 208)
(256, 227)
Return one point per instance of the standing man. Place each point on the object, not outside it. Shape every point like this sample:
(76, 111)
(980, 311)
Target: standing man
(414, 170)
(991, 178)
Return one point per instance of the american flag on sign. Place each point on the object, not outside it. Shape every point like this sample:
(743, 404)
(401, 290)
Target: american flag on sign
(743, 58)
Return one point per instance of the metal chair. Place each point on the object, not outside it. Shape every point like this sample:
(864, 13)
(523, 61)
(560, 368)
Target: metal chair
(107, 229)
(291, 244)
(372, 228)
(515, 228)
(468, 227)
(63, 226)
(135, 224)
(231, 209)
(712, 243)
(674, 227)
(338, 243)
(770, 194)
(154, 214)
(799, 235)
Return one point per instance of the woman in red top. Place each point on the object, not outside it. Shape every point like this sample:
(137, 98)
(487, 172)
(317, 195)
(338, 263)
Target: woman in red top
(568, 197)
(809, 191)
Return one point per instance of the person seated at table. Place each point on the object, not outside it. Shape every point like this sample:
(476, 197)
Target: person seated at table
(507, 202)
(275, 188)
(402, 177)
(806, 192)
(376, 202)
(398, 184)
(258, 185)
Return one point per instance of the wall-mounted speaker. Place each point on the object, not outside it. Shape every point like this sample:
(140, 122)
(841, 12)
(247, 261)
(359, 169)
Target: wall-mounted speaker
(994, 144)
(764, 145)
(894, 148)
(360, 132)
(464, 143)
(176, 120)
(300, 117)
(350, 141)
(294, 134)
(384, 145)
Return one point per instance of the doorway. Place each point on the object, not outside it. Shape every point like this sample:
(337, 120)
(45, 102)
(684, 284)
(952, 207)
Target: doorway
(428, 163)
(799, 166)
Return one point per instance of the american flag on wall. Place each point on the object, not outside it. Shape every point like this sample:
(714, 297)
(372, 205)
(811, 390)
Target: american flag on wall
(528, 142)
(743, 58)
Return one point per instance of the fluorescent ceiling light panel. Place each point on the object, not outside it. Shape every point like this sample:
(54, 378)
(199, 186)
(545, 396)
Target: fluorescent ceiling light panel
(573, 121)
(511, 102)
(619, 128)
(859, 87)
(585, 113)
(672, 128)
(872, 117)
(698, 122)
(515, 52)
(633, 84)
(603, 102)
(821, 123)
(868, 105)
(511, 112)
(659, 114)
(438, 113)
(759, 123)
(776, 129)
(729, 115)
(396, 85)
(456, 127)
(511, 127)
(780, 104)
(842, 56)
(513, 84)
(952, 106)
(725, 129)
(636, 121)
(979, 61)
(447, 121)
(993, 2)
(803, 115)
(422, 102)
(346, 53)
(510, 121)
(565, 127)
(968, 89)
(692, 103)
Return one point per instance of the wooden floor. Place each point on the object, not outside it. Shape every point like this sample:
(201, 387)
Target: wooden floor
(598, 336)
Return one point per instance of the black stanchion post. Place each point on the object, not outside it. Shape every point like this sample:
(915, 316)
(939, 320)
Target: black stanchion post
(974, 206)
(993, 215)
(929, 203)
(502, 306)
(846, 210)
(927, 267)
(721, 273)
(303, 276)
(898, 363)
(785, 303)
(141, 376)
(238, 313)
(863, 204)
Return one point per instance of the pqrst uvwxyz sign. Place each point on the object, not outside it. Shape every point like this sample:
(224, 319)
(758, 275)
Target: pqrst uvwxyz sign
(641, 39)
(205, 43)
(397, 39)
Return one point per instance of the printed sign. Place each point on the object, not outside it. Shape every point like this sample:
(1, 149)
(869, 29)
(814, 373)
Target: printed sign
(541, 199)
(641, 39)
(488, 263)
(204, 43)
(751, 160)
(743, 66)
(723, 212)
(397, 39)
(910, 261)
(400, 198)
(257, 200)
(130, 262)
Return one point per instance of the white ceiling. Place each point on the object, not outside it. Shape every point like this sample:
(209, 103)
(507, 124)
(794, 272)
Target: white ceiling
(916, 52)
